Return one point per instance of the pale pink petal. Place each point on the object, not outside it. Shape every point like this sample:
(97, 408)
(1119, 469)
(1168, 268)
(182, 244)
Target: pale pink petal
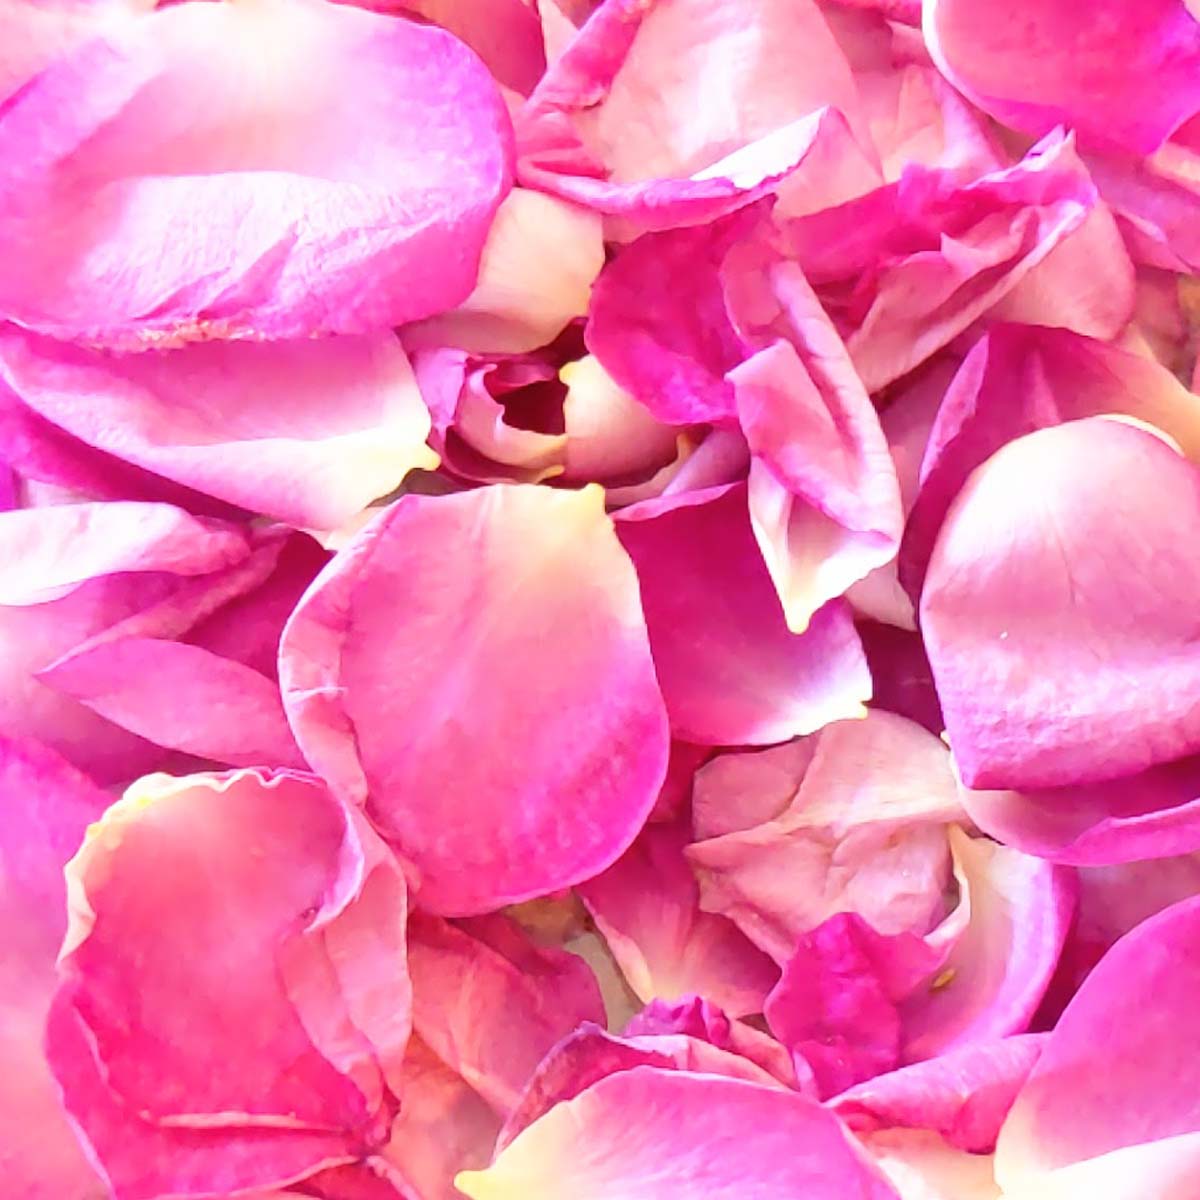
(1139, 1094)
(45, 806)
(823, 493)
(208, 417)
(739, 97)
(647, 906)
(559, 740)
(347, 180)
(859, 827)
(1089, 577)
(490, 1004)
(908, 267)
(538, 265)
(633, 1135)
(1123, 76)
(923, 1166)
(730, 670)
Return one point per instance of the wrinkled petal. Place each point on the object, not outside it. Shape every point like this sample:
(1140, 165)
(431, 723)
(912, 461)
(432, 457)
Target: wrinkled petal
(647, 906)
(731, 671)
(1090, 578)
(565, 728)
(738, 99)
(208, 417)
(856, 823)
(321, 214)
(1125, 76)
(908, 267)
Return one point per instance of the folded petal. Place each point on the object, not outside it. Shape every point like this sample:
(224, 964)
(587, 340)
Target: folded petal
(519, 618)
(730, 670)
(855, 824)
(1016, 911)
(1088, 577)
(1124, 77)
(46, 805)
(647, 906)
(733, 109)
(633, 1135)
(906, 268)
(346, 183)
(208, 417)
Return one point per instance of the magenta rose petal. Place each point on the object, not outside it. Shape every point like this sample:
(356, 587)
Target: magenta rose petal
(318, 216)
(276, 997)
(46, 807)
(565, 727)
(731, 671)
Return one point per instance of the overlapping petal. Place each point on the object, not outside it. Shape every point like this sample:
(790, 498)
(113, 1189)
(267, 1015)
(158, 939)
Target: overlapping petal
(277, 169)
(508, 736)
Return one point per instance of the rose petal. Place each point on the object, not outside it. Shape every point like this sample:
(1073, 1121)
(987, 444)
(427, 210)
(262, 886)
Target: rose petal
(208, 417)
(1086, 576)
(565, 729)
(1123, 77)
(319, 215)
(632, 1135)
(731, 671)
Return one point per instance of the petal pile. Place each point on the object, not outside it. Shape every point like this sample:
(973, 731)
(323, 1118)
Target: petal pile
(598, 599)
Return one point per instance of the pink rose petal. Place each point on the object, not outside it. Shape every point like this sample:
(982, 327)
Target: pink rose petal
(208, 417)
(731, 671)
(1087, 577)
(647, 906)
(521, 621)
(346, 184)
(632, 1135)
(1124, 76)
